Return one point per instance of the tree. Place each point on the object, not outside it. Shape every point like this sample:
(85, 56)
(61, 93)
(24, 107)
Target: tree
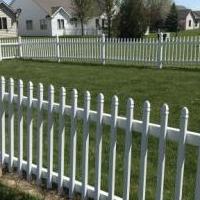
(133, 19)
(107, 7)
(171, 23)
(83, 11)
(158, 11)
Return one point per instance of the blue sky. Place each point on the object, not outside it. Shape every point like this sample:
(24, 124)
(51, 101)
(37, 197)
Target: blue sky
(192, 4)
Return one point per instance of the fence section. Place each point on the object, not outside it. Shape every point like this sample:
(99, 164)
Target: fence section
(183, 51)
(16, 109)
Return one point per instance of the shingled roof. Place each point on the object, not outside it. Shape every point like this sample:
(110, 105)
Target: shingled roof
(182, 14)
(51, 6)
(7, 9)
(196, 15)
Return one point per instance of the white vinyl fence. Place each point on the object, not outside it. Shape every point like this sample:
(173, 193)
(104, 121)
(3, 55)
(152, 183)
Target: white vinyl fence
(181, 51)
(12, 106)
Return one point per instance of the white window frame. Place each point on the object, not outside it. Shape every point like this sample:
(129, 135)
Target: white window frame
(3, 26)
(43, 24)
(190, 23)
(61, 24)
(29, 26)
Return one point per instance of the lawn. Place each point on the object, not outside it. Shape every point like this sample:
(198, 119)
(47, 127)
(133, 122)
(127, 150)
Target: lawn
(180, 33)
(177, 87)
(8, 193)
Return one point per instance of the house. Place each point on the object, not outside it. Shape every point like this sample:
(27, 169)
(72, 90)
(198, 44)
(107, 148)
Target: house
(51, 18)
(8, 21)
(197, 18)
(188, 19)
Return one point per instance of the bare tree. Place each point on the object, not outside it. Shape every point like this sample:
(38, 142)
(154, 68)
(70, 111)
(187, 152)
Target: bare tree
(158, 11)
(108, 7)
(83, 9)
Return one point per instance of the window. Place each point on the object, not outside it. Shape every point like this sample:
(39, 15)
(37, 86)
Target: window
(61, 24)
(97, 23)
(29, 24)
(73, 21)
(43, 24)
(3, 23)
(190, 23)
(103, 23)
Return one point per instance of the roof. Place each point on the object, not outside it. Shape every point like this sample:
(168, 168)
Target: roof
(7, 9)
(180, 7)
(182, 14)
(196, 14)
(51, 6)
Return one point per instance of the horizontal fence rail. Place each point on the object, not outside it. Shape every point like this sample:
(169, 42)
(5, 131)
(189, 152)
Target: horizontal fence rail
(183, 51)
(16, 109)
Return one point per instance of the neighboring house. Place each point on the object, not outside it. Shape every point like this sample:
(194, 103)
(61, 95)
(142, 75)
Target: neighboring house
(197, 18)
(8, 21)
(51, 18)
(188, 19)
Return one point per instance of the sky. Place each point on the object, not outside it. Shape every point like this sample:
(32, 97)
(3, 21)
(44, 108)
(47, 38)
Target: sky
(192, 4)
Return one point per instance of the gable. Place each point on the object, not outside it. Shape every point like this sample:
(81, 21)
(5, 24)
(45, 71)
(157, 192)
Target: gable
(8, 10)
(51, 5)
(61, 11)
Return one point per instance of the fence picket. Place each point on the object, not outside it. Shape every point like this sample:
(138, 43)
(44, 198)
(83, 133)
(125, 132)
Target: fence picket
(20, 126)
(113, 144)
(39, 133)
(11, 124)
(2, 121)
(61, 139)
(85, 154)
(73, 141)
(29, 130)
(128, 150)
(98, 146)
(50, 135)
(162, 149)
(144, 151)
(181, 154)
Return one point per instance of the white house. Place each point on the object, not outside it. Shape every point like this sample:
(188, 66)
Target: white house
(51, 18)
(8, 22)
(188, 19)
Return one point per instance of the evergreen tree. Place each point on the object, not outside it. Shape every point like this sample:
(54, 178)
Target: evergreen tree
(171, 22)
(133, 19)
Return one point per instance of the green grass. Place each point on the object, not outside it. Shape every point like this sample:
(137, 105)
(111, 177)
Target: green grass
(7, 193)
(178, 88)
(180, 33)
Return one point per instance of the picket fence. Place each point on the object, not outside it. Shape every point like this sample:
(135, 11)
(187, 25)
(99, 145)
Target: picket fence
(176, 51)
(10, 117)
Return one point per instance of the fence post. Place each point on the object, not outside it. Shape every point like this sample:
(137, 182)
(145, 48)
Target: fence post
(58, 48)
(20, 46)
(160, 51)
(103, 49)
